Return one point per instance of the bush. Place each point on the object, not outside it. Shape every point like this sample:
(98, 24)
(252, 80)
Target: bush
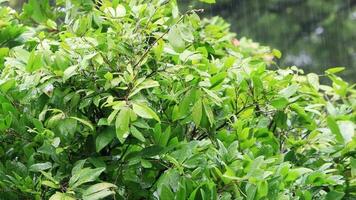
(134, 100)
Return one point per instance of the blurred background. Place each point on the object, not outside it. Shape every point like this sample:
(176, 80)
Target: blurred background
(312, 34)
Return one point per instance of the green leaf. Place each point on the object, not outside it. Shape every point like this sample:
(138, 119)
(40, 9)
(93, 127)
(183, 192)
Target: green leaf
(313, 80)
(175, 39)
(348, 130)
(7, 85)
(166, 193)
(262, 189)
(85, 175)
(277, 53)
(197, 112)
(104, 138)
(61, 196)
(208, 1)
(137, 134)
(353, 167)
(334, 195)
(250, 191)
(144, 111)
(296, 173)
(40, 166)
(69, 72)
(37, 10)
(99, 191)
(85, 122)
(280, 103)
(144, 85)
(215, 98)
(335, 70)
(334, 128)
(120, 11)
(289, 91)
(209, 113)
(122, 124)
(34, 62)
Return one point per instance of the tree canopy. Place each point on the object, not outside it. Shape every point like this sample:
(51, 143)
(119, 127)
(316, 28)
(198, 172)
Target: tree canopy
(134, 99)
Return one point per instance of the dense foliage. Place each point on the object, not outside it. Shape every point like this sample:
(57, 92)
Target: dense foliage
(132, 99)
(313, 34)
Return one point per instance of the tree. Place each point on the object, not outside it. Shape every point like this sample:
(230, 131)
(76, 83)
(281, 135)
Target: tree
(135, 100)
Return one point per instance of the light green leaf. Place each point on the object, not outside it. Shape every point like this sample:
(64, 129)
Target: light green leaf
(7, 85)
(251, 191)
(279, 103)
(85, 122)
(347, 129)
(215, 98)
(144, 85)
(144, 111)
(40, 166)
(120, 11)
(262, 189)
(277, 53)
(197, 112)
(122, 124)
(209, 113)
(99, 191)
(137, 134)
(334, 128)
(335, 70)
(166, 192)
(69, 72)
(208, 1)
(61, 196)
(85, 175)
(175, 39)
(34, 62)
(289, 91)
(313, 80)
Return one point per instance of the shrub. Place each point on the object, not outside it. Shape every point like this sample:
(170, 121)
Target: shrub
(135, 100)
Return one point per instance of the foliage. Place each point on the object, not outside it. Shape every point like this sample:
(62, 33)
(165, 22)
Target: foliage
(135, 100)
(313, 34)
